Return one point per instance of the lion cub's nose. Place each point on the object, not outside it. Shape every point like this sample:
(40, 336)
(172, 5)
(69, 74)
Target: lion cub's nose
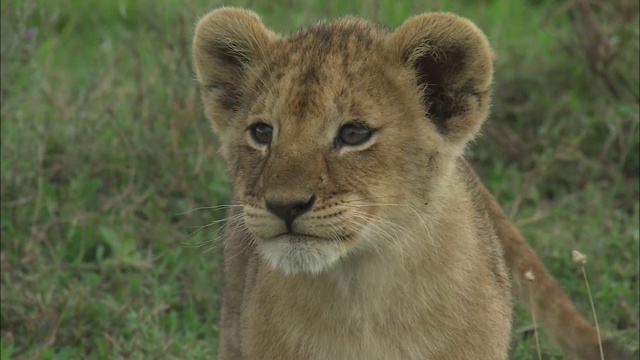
(289, 210)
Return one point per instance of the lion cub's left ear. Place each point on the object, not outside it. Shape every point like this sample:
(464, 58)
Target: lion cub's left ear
(227, 42)
(453, 66)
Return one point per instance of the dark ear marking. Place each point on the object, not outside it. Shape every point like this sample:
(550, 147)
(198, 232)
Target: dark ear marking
(228, 56)
(432, 72)
(453, 68)
(226, 43)
(228, 96)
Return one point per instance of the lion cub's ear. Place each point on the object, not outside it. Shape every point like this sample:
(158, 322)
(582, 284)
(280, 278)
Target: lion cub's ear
(453, 64)
(226, 42)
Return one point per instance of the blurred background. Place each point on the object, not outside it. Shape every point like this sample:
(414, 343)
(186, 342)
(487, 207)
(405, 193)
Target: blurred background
(109, 172)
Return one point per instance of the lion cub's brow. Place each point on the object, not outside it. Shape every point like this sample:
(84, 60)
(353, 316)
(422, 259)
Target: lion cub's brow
(318, 74)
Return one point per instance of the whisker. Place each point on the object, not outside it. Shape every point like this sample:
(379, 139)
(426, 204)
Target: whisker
(370, 198)
(378, 225)
(374, 204)
(212, 208)
(227, 219)
(247, 239)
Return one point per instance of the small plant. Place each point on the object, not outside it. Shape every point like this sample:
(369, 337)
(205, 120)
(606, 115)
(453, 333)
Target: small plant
(529, 276)
(581, 259)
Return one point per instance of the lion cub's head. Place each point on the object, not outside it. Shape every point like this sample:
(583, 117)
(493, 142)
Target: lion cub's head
(341, 135)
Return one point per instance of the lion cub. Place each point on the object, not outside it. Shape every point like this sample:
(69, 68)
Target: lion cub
(363, 234)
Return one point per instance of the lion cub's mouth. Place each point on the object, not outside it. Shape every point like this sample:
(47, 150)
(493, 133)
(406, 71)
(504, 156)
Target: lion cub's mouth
(312, 244)
(297, 236)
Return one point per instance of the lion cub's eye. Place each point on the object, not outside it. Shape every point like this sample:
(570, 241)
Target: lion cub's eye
(261, 133)
(353, 134)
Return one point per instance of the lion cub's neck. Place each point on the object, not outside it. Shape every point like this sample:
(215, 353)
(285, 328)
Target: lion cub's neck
(418, 290)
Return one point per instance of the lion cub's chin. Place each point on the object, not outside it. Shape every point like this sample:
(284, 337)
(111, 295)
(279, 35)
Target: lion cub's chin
(301, 254)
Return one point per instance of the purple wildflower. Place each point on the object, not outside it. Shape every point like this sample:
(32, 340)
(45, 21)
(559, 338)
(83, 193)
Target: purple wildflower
(30, 33)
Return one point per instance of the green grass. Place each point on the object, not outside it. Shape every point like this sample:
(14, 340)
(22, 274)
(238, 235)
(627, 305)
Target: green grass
(107, 161)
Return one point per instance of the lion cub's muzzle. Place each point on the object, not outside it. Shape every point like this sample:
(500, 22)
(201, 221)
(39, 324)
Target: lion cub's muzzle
(301, 233)
(288, 210)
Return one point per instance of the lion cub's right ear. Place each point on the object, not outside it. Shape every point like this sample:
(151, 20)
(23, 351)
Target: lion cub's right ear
(226, 42)
(453, 66)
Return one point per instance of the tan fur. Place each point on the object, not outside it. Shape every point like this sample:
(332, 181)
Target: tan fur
(401, 253)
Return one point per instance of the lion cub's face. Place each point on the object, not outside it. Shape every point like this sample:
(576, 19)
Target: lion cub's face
(323, 149)
(339, 134)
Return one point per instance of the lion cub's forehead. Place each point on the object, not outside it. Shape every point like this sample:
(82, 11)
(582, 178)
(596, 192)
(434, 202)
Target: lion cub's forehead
(320, 69)
(339, 36)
